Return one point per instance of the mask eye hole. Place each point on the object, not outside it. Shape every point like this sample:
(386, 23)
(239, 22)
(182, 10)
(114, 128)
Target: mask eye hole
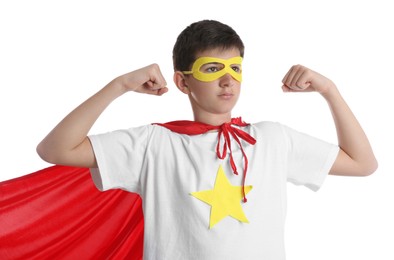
(237, 68)
(211, 67)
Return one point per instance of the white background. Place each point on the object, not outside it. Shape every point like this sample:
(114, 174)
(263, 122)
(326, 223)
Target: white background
(54, 55)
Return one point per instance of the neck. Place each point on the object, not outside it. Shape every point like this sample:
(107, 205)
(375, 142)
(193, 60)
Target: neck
(213, 119)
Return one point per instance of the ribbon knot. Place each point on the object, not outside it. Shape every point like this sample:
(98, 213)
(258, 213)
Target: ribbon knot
(226, 130)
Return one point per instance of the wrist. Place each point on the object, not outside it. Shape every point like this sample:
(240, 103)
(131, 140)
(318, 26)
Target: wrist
(331, 92)
(118, 86)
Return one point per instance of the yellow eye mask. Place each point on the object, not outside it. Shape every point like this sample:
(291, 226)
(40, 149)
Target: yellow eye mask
(209, 68)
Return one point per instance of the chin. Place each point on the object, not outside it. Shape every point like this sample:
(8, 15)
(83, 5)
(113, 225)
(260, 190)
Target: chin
(223, 110)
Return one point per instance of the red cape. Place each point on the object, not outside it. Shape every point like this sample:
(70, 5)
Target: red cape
(58, 213)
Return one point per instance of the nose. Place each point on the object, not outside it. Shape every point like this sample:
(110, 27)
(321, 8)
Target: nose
(226, 80)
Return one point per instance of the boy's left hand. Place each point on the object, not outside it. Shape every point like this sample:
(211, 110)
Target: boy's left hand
(302, 79)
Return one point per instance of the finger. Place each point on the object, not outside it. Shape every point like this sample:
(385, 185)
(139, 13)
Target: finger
(285, 88)
(155, 85)
(156, 82)
(162, 91)
(151, 91)
(292, 90)
(153, 88)
(159, 92)
(297, 76)
(157, 77)
(303, 81)
(290, 75)
(149, 84)
(285, 78)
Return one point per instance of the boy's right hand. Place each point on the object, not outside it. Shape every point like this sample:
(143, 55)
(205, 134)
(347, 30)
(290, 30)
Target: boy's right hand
(148, 80)
(68, 144)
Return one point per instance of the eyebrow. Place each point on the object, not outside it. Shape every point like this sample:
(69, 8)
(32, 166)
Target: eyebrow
(213, 62)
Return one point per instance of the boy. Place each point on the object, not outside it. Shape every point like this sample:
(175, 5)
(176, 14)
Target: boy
(215, 187)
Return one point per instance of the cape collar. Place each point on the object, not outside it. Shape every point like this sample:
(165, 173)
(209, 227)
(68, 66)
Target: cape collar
(226, 129)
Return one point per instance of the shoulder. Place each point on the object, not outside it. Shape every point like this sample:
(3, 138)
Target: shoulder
(275, 128)
(267, 127)
(124, 136)
(268, 133)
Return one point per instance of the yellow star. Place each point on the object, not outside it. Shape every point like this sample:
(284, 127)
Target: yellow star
(224, 198)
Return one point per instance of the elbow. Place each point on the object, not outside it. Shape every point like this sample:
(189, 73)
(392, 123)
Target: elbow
(45, 153)
(361, 168)
(41, 151)
(369, 169)
(374, 167)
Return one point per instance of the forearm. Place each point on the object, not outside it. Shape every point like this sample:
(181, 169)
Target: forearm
(71, 133)
(356, 155)
(68, 143)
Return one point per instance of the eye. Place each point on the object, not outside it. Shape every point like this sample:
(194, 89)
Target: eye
(212, 67)
(237, 68)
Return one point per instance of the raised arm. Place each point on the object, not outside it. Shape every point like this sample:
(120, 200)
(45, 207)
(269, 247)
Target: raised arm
(68, 144)
(356, 157)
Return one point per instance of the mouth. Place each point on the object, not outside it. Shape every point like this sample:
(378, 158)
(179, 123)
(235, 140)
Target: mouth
(226, 95)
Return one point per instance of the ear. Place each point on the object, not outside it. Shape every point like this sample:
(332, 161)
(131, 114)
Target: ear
(180, 82)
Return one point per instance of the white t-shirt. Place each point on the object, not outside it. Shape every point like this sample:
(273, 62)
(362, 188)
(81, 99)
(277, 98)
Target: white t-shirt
(180, 179)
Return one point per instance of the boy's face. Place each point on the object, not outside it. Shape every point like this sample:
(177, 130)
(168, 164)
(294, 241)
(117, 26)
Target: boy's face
(219, 95)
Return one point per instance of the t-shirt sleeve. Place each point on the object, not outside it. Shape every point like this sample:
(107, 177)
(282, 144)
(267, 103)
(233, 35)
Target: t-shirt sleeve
(120, 157)
(309, 159)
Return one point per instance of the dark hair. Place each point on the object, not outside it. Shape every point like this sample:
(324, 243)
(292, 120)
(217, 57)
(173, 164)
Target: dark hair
(201, 36)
